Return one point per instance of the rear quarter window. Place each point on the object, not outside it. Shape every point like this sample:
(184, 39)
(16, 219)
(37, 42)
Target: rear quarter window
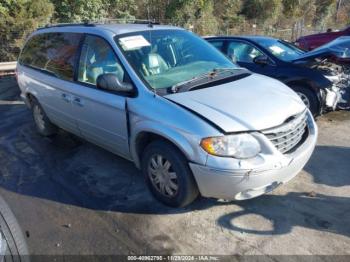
(54, 53)
(33, 52)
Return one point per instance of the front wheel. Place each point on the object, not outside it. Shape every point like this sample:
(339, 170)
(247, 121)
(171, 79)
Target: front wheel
(309, 98)
(168, 175)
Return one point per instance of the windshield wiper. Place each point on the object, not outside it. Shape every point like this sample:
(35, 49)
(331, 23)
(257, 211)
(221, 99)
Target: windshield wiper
(209, 75)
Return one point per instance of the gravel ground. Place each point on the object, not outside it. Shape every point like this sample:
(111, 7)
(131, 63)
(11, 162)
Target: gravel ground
(71, 197)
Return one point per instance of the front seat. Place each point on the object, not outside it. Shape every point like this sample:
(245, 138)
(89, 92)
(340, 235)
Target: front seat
(154, 64)
(231, 55)
(107, 64)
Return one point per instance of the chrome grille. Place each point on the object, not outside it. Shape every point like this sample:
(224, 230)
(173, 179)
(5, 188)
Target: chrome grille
(289, 135)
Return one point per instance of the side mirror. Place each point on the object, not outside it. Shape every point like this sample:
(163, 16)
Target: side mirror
(111, 82)
(261, 60)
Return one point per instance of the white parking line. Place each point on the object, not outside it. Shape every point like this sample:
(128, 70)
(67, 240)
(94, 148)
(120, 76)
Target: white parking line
(4, 102)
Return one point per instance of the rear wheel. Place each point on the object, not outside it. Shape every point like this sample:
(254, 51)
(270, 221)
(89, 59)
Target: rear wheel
(168, 175)
(309, 98)
(42, 122)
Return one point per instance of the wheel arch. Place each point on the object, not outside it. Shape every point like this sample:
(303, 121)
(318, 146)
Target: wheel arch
(304, 84)
(315, 90)
(30, 97)
(144, 137)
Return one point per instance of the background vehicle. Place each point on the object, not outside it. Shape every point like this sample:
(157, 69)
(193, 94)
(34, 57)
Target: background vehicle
(336, 51)
(322, 85)
(310, 42)
(170, 102)
(13, 246)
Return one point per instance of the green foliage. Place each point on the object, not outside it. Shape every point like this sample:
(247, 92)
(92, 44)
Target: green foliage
(19, 18)
(67, 11)
(229, 14)
(120, 9)
(324, 11)
(197, 15)
(299, 8)
(261, 10)
(153, 9)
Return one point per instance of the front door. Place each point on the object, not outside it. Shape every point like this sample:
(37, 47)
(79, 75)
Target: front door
(101, 115)
(244, 53)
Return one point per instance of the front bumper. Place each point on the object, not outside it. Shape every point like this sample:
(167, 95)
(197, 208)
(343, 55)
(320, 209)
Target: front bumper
(240, 184)
(344, 101)
(338, 96)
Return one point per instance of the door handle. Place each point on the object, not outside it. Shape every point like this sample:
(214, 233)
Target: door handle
(66, 97)
(77, 101)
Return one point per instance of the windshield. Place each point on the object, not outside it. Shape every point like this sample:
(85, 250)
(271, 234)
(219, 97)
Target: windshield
(280, 49)
(164, 58)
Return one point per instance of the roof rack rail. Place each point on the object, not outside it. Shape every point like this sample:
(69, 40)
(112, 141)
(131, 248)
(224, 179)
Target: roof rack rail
(105, 21)
(66, 24)
(126, 20)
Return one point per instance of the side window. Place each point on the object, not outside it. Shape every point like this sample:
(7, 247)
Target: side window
(219, 44)
(61, 50)
(242, 52)
(97, 58)
(33, 53)
(52, 52)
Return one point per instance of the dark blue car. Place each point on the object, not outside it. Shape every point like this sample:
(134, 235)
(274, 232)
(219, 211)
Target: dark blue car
(320, 82)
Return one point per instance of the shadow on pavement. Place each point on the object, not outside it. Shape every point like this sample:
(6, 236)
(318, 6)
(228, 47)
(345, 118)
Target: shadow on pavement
(330, 165)
(320, 212)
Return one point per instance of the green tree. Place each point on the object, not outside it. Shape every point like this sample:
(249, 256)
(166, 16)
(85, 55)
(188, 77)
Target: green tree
(324, 12)
(228, 15)
(153, 9)
(298, 9)
(120, 9)
(261, 10)
(197, 15)
(18, 18)
(299, 14)
(67, 11)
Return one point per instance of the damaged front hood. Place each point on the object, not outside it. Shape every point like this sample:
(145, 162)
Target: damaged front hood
(339, 48)
(253, 103)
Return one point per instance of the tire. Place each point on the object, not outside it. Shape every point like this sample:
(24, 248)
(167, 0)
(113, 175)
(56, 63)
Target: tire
(13, 244)
(309, 98)
(186, 191)
(42, 122)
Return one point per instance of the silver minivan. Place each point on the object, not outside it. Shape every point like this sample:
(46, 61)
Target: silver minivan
(160, 96)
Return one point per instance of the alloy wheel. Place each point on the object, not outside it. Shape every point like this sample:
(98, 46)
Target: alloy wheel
(162, 176)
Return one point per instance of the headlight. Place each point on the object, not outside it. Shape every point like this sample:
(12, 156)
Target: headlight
(333, 79)
(239, 146)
